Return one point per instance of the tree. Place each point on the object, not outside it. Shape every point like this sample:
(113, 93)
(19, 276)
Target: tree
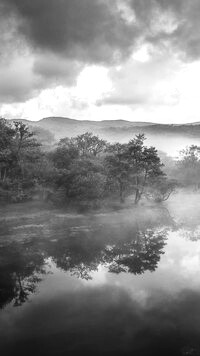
(89, 144)
(83, 145)
(19, 154)
(145, 165)
(6, 139)
(161, 189)
(65, 153)
(79, 168)
(84, 167)
(134, 166)
(117, 169)
(83, 181)
(25, 146)
(188, 166)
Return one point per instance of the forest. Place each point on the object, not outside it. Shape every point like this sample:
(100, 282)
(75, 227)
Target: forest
(87, 172)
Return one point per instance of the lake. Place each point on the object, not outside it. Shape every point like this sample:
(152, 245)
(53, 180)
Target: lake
(123, 282)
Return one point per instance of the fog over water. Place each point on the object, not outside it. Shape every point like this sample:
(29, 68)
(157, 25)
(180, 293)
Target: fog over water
(118, 282)
(172, 145)
(99, 178)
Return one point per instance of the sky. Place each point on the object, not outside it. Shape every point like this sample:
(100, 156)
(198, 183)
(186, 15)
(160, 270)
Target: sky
(136, 60)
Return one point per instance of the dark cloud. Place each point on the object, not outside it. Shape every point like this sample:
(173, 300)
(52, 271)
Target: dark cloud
(96, 30)
(177, 24)
(87, 30)
(62, 36)
(56, 69)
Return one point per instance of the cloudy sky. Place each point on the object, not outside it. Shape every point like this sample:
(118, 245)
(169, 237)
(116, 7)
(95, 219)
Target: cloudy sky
(137, 60)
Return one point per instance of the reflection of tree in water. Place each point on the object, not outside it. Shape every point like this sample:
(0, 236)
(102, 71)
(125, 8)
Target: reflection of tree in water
(79, 254)
(128, 249)
(190, 232)
(21, 267)
(135, 253)
(137, 256)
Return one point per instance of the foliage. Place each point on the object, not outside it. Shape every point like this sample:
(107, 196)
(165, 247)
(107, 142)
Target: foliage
(19, 154)
(161, 189)
(117, 169)
(134, 166)
(84, 145)
(188, 166)
(89, 144)
(85, 169)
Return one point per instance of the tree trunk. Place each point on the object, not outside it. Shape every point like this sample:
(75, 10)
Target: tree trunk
(121, 192)
(137, 192)
(5, 173)
(121, 197)
(137, 196)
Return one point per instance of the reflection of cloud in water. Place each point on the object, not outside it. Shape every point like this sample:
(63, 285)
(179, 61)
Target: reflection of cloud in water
(178, 269)
(98, 277)
(180, 266)
(133, 244)
(90, 304)
(126, 246)
(99, 320)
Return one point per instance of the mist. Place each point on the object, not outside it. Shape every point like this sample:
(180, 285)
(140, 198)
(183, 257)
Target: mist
(99, 178)
(99, 239)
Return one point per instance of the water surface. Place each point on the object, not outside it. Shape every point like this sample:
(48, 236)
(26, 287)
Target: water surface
(121, 283)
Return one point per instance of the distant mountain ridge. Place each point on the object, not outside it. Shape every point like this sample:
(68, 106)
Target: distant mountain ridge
(166, 137)
(61, 127)
(103, 123)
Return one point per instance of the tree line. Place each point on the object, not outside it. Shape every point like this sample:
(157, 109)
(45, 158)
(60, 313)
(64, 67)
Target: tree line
(86, 170)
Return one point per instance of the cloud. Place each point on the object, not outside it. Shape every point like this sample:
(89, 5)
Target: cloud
(17, 81)
(87, 30)
(149, 82)
(99, 31)
(25, 76)
(107, 319)
(45, 44)
(55, 69)
(59, 38)
(172, 23)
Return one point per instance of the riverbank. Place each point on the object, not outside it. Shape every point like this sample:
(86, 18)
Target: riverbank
(33, 219)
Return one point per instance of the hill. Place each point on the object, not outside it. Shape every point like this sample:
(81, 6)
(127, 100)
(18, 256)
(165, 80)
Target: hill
(168, 138)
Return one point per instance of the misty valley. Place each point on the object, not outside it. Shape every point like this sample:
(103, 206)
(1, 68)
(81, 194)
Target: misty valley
(99, 178)
(99, 246)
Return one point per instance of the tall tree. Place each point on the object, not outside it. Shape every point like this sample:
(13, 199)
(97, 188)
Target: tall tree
(6, 138)
(188, 166)
(145, 165)
(133, 166)
(25, 147)
(19, 153)
(117, 169)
